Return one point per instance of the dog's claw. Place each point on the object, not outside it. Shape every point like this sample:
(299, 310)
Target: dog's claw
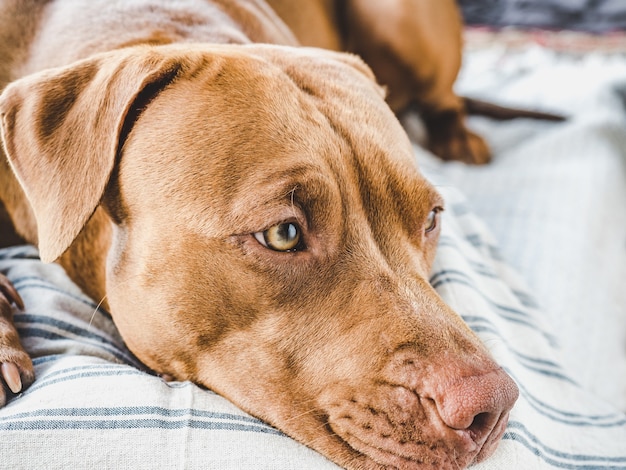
(11, 375)
(10, 293)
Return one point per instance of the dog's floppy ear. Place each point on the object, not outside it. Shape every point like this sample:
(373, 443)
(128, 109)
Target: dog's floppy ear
(63, 128)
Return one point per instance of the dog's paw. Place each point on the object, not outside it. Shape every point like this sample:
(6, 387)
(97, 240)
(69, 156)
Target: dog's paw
(463, 146)
(16, 368)
(450, 139)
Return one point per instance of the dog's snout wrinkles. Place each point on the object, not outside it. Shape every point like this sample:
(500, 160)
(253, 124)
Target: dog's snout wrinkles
(417, 415)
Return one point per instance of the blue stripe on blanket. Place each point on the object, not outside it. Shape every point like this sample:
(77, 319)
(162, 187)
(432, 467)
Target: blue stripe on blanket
(448, 276)
(63, 376)
(512, 314)
(483, 325)
(46, 327)
(32, 282)
(526, 299)
(30, 320)
(476, 241)
(608, 420)
(33, 332)
(145, 423)
(517, 432)
(28, 252)
(126, 411)
(485, 270)
(131, 417)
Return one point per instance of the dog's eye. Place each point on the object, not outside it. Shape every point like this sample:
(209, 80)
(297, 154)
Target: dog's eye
(432, 219)
(282, 237)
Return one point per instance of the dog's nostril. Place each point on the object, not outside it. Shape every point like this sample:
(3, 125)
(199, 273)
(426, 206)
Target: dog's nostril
(464, 420)
(481, 426)
(479, 422)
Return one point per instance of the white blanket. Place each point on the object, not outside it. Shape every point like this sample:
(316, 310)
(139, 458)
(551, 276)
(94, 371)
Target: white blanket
(94, 406)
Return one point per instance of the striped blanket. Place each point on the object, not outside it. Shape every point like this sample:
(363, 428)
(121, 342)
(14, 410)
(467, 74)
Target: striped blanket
(93, 404)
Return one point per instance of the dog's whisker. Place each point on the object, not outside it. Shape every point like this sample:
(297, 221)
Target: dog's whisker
(455, 459)
(95, 310)
(292, 199)
(312, 410)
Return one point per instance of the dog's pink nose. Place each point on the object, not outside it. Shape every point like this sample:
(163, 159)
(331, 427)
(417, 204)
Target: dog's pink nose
(477, 404)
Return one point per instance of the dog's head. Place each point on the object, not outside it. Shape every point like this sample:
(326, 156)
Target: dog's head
(272, 241)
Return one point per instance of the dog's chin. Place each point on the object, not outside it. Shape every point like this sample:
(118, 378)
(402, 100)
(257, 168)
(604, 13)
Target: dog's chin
(377, 454)
(434, 455)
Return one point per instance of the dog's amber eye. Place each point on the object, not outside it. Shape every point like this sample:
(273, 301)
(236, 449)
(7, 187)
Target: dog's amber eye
(282, 237)
(433, 217)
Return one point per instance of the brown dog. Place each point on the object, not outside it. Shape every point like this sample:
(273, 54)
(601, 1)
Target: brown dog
(253, 217)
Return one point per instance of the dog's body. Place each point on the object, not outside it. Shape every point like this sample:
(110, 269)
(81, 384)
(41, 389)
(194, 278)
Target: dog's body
(251, 214)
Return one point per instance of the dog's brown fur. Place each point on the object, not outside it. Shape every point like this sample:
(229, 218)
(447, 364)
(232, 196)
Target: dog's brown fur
(151, 164)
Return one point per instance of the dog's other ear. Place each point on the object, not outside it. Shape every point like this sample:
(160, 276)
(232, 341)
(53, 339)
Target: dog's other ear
(63, 128)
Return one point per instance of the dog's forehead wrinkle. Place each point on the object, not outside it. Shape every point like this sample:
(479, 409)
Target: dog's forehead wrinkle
(396, 201)
(380, 164)
(303, 192)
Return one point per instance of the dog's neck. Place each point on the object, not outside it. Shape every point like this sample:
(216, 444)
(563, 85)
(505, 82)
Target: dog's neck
(85, 259)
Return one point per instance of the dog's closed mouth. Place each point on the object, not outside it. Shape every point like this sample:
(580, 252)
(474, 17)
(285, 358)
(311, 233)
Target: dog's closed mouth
(451, 451)
(455, 449)
(394, 426)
